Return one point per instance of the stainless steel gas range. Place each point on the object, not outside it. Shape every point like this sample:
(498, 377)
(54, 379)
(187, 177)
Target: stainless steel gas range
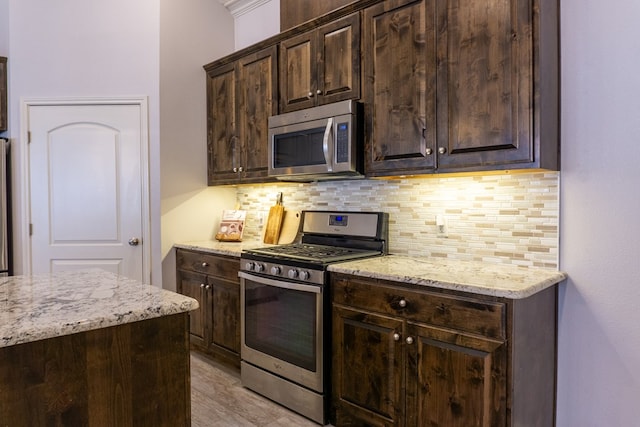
(286, 308)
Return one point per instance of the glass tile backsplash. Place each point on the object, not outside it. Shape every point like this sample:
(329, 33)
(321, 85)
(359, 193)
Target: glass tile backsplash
(503, 218)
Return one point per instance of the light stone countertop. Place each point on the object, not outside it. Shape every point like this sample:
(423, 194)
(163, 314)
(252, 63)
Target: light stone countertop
(221, 248)
(45, 306)
(485, 278)
(500, 280)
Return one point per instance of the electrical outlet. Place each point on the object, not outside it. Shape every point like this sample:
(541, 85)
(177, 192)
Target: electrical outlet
(442, 225)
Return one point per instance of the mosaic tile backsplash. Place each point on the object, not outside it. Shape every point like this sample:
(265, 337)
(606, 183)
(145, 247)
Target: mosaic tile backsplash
(505, 218)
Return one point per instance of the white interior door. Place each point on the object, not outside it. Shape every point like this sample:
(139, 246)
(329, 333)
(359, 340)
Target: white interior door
(87, 188)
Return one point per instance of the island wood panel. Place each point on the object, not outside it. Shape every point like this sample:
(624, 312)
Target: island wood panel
(136, 374)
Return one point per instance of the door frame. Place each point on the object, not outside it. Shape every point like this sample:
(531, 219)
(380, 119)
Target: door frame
(25, 220)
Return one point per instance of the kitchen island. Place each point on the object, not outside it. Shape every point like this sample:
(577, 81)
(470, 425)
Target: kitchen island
(92, 348)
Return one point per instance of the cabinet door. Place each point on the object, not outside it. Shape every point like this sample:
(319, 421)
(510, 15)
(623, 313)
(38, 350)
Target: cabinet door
(485, 83)
(223, 147)
(338, 70)
(257, 100)
(192, 285)
(367, 369)
(455, 380)
(321, 66)
(297, 75)
(399, 75)
(225, 314)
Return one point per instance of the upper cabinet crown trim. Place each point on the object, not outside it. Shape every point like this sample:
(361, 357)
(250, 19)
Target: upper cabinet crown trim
(240, 7)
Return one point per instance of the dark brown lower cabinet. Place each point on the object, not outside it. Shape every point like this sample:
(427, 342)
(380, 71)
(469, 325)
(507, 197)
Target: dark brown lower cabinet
(213, 281)
(421, 356)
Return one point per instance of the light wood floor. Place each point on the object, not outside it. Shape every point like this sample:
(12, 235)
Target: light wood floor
(219, 400)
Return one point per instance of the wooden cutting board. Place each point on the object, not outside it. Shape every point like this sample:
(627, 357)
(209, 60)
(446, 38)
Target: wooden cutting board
(290, 226)
(274, 222)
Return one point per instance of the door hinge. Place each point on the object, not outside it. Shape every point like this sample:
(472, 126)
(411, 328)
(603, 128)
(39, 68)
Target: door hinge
(30, 229)
(28, 137)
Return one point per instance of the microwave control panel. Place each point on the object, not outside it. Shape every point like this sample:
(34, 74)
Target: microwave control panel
(342, 143)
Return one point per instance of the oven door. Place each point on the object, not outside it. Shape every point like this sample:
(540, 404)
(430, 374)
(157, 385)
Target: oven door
(281, 327)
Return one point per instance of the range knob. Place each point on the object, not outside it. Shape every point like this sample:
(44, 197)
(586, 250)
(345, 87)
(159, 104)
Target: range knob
(275, 270)
(304, 275)
(249, 265)
(293, 273)
(258, 267)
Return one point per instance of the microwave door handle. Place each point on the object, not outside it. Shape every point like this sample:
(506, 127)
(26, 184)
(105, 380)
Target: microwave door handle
(328, 139)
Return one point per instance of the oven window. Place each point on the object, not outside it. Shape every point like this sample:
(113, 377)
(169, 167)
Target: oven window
(281, 323)
(299, 149)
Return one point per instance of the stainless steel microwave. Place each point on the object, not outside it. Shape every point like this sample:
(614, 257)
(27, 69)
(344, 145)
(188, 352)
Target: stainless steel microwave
(318, 143)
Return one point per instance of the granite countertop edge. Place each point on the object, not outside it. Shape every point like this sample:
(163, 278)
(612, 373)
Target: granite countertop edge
(39, 307)
(485, 278)
(499, 280)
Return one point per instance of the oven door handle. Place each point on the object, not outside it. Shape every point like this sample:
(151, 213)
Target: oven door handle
(281, 283)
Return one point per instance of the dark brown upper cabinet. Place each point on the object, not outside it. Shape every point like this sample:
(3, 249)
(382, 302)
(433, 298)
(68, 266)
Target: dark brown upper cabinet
(321, 66)
(455, 87)
(497, 84)
(4, 125)
(296, 12)
(399, 49)
(241, 95)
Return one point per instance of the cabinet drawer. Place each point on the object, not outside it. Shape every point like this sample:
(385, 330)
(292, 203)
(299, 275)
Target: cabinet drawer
(462, 313)
(212, 265)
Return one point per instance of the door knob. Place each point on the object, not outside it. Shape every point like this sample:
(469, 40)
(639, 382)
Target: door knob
(134, 241)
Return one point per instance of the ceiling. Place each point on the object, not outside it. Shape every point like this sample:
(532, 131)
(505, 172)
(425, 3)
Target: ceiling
(240, 7)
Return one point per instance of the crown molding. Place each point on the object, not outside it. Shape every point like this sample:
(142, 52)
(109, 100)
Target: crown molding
(240, 7)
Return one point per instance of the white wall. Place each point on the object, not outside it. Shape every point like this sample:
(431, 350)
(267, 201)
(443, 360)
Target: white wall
(4, 27)
(154, 48)
(257, 23)
(72, 48)
(599, 337)
(192, 33)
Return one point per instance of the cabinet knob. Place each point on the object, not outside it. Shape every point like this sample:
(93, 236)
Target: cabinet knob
(205, 264)
(235, 170)
(201, 285)
(240, 169)
(209, 287)
(396, 337)
(310, 95)
(318, 92)
(429, 151)
(402, 303)
(409, 340)
(442, 150)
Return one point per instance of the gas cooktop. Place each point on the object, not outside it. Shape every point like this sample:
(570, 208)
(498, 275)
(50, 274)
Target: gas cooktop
(315, 253)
